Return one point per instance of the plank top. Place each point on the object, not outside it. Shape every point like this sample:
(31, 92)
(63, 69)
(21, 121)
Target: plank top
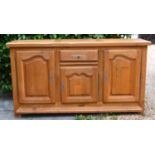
(78, 42)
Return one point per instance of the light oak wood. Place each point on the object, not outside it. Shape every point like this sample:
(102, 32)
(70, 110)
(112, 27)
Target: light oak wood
(78, 76)
(79, 55)
(14, 80)
(77, 109)
(143, 76)
(78, 43)
(122, 75)
(36, 75)
(79, 84)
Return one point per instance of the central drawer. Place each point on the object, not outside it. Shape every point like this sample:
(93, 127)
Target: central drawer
(79, 55)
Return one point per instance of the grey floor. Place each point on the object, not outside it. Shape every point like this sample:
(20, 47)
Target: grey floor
(6, 112)
(6, 103)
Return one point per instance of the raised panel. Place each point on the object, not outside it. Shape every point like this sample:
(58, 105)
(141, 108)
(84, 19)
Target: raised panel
(80, 84)
(35, 70)
(36, 76)
(122, 72)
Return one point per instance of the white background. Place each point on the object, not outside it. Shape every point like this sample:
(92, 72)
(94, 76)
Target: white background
(77, 137)
(77, 16)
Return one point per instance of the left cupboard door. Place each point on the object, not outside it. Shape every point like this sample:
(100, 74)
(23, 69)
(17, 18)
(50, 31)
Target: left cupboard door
(35, 75)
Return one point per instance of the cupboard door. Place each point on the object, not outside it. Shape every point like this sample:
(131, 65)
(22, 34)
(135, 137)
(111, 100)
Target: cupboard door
(79, 84)
(122, 75)
(35, 73)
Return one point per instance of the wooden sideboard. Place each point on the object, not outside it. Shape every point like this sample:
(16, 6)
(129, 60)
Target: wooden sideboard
(78, 76)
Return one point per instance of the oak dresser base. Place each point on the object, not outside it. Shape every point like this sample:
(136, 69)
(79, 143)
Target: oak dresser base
(78, 76)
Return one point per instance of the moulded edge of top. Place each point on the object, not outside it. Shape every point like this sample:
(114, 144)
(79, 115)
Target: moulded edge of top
(78, 42)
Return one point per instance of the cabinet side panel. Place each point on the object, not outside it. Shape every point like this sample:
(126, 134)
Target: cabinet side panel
(14, 78)
(143, 76)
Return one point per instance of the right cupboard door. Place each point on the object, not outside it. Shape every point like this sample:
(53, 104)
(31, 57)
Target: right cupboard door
(122, 74)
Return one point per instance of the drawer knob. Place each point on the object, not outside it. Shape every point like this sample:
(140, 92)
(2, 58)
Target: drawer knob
(77, 56)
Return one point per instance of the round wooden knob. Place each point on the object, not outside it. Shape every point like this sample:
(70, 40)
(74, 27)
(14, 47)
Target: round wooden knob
(78, 57)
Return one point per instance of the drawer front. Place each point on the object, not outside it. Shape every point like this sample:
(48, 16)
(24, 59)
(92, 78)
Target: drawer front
(79, 55)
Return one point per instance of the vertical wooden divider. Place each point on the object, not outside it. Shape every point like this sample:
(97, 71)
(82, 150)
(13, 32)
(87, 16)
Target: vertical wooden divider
(58, 77)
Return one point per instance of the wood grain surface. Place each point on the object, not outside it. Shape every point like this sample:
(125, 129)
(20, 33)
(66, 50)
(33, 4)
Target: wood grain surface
(78, 76)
